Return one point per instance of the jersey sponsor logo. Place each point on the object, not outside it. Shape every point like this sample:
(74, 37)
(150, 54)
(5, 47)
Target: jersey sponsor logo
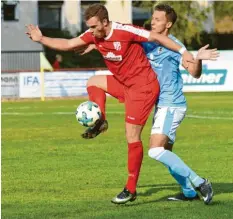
(117, 45)
(208, 77)
(112, 57)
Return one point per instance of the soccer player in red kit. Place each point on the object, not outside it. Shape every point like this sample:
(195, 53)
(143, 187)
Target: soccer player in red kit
(119, 45)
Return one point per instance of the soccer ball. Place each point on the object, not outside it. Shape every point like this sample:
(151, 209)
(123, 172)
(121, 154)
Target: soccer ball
(88, 113)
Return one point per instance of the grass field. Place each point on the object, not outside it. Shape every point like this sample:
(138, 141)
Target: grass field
(49, 171)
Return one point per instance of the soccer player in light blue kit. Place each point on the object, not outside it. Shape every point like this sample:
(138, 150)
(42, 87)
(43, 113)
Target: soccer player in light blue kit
(171, 106)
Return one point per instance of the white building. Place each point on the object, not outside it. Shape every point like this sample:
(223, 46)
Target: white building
(18, 51)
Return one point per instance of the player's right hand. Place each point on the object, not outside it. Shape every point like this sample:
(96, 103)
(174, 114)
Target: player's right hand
(34, 32)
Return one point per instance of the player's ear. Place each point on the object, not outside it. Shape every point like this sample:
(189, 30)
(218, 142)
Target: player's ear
(105, 22)
(169, 25)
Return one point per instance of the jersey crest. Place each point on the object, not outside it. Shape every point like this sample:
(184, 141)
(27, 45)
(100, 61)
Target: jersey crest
(160, 49)
(117, 45)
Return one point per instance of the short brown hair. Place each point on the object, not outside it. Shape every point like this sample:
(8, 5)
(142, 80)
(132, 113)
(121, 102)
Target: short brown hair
(96, 10)
(170, 12)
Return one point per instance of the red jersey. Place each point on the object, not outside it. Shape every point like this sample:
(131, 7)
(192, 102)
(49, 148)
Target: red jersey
(123, 54)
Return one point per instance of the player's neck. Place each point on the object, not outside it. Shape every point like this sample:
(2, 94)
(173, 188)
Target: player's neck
(165, 33)
(108, 28)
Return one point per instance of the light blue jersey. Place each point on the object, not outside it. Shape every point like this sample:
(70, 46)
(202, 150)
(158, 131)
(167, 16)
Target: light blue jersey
(166, 63)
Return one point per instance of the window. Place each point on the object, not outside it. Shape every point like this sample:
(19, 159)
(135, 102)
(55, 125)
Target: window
(10, 10)
(50, 14)
(140, 15)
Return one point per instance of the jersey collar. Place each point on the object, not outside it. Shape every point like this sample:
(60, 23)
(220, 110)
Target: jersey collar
(111, 31)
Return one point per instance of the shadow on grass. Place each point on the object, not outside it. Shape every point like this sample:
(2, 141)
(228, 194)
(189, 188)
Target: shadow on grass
(219, 188)
(152, 189)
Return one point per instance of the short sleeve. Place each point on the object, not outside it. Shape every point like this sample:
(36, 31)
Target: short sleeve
(87, 37)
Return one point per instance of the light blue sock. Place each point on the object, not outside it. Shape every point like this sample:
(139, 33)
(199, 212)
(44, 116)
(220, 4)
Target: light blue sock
(186, 186)
(169, 159)
(177, 166)
(195, 179)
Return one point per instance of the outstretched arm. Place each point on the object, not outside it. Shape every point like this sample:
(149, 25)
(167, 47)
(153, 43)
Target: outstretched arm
(35, 34)
(170, 44)
(195, 69)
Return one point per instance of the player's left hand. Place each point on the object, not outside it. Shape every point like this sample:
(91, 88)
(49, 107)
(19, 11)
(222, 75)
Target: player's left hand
(207, 54)
(86, 49)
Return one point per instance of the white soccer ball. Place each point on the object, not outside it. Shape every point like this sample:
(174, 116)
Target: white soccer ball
(88, 113)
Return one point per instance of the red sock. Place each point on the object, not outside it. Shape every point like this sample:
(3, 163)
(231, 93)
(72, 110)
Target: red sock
(98, 96)
(135, 156)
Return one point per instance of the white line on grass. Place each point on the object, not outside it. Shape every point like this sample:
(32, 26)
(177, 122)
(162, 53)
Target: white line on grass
(208, 117)
(111, 112)
(48, 107)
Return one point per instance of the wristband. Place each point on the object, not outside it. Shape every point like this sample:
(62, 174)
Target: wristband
(196, 57)
(182, 50)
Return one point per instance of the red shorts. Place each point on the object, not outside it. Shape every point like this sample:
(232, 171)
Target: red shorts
(138, 101)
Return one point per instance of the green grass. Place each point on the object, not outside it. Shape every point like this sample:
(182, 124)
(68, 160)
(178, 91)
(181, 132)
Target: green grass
(49, 171)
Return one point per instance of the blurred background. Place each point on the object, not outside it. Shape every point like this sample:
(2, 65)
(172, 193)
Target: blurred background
(199, 23)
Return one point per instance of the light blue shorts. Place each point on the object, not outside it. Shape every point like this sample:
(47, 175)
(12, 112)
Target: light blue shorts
(166, 121)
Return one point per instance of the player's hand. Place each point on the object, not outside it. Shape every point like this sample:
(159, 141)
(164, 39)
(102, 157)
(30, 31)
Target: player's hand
(187, 57)
(207, 54)
(85, 50)
(34, 32)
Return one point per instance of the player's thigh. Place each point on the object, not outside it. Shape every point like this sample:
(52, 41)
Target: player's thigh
(115, 88)
(133, 132)
(166, 120)
(160, 140)
(139, 103)
(99, 81)
(179, 115)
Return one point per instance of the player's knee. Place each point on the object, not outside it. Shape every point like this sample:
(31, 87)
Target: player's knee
(159, 139)
(155, 152)
(132, 136)
(92, 81)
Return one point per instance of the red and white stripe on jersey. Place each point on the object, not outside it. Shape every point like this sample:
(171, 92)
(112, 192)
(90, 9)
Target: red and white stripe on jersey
(133, 33)
(134, 30)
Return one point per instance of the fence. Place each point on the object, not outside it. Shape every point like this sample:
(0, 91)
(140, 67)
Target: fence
(12, 60)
